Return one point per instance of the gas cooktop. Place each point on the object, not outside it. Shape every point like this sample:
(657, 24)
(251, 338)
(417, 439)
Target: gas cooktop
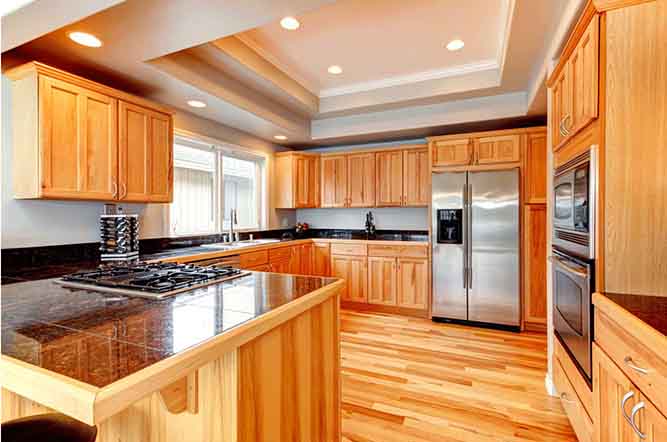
(149, 280)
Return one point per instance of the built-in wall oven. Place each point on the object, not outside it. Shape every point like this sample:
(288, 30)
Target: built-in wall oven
(573, 256)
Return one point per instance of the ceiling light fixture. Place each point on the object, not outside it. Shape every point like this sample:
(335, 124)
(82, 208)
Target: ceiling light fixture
(290, 23)
(455, 45)
(335, 69)
(85, 39)
(280, 137)
(196, 103)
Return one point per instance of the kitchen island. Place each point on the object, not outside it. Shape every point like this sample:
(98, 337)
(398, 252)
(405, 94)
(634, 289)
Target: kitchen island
(253, 359)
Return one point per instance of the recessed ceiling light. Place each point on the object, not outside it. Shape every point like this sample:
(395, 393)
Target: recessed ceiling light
(290, 23)
(455, 45)
(280, 137)
(196, 103)
(335, 69)
(85, 39)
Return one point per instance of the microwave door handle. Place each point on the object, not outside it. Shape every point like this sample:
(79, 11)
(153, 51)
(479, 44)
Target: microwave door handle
(569, 267)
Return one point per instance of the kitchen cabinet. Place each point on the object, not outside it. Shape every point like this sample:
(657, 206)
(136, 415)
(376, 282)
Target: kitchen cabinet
(321, 259)
(382, 286)
(77, 139)
(306, 259)
(261, 268)
(413, 283)
(281, 266)
(354, 270)
(334, 181)
(389, 177)
(280, 259)
(457, 152)
(361, 184)
(535, 267)
(416, 178)
(574, 90)
(297, 180)
(295, 260)
(254, 259)
(145, 160)
(535, 168)
(497, 149)
(576, 413)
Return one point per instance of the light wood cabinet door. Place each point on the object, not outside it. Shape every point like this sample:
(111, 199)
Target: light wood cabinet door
(354, 270)
(416, 178)
(334, 181)
(584, 66)
(413, 283)
(382, 281)
(307, 184)
(535, 171)
(498, 149)
(79, 149)
(389, 178)
(321, 259)
(361, 185)
(651, 422)
(535, 265)
(614, 396)
(295, 260)
(306, 255)
(146, 163)
(452, 152)
(560, 107)
(281, 266)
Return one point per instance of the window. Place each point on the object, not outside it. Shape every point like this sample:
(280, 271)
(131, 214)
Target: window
(208, 183)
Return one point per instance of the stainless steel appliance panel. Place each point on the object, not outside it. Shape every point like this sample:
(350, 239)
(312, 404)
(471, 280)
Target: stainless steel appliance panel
(494, 247)
(449, 260)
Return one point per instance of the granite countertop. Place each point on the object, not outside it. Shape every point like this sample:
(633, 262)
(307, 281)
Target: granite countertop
(99, 338)
(650, 309)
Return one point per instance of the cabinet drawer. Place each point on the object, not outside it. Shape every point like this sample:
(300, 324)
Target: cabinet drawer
(645, 364)
(281, 254)
(253, 259)
(575, 378)
(397, 251)
(348, 249)
(576, 413)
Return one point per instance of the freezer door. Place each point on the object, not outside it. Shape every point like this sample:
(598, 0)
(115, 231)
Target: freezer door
(449, 260)
(493, 279)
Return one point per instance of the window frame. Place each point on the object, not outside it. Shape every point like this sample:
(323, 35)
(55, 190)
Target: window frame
(221, 150)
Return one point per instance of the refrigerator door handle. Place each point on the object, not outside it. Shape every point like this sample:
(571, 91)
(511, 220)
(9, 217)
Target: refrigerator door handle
(469, 236)
(465, 235)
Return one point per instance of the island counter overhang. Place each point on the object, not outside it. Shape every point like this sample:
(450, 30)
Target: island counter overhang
(275, 374)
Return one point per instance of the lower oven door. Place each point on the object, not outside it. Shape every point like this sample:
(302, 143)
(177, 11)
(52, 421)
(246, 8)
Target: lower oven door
(572, 306)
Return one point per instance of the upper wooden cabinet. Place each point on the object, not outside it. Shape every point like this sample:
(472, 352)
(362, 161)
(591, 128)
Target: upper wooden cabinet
(535, 168)
(416, 178)
(76, 139)
(361, 180)
(334, 181)
(389, 175)
(497, 149)
(574, 85)
(297, 180)
(456, 152)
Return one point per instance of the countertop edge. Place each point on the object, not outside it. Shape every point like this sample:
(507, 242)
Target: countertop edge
(627, 319)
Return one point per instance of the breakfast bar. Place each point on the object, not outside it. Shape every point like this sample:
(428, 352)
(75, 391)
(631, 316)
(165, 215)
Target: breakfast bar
(251, 359)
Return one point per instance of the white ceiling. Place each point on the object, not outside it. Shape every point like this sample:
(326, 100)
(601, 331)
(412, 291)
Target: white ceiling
(397, 78)
(378, 40)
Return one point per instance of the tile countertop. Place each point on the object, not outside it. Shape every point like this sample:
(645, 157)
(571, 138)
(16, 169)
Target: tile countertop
(650, 309)
(99, 338)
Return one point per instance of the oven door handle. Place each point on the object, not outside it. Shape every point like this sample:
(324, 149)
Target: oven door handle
(569, 267)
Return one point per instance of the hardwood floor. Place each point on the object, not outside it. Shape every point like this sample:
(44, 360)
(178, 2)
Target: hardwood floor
(413, 380)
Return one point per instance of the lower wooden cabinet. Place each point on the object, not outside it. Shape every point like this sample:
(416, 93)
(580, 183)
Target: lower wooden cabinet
(306, 256)
(535, 267)
(382, 280)
(280, 266)
(413, 283)
(579, 419)
(622, 412)
(260, 268)
(321, 259)
(354, 270)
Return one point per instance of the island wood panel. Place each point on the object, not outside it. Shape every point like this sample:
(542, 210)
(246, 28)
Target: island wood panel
(382, 281)
(416, 178)
(635, 209)
(253, 259)
(334, 181)
(389, 177)
(535, 267)
(361, 185)
(289, 380)
(79, 149)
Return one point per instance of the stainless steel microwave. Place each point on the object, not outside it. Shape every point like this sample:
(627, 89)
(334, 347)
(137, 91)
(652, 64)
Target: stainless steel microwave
(575, 191)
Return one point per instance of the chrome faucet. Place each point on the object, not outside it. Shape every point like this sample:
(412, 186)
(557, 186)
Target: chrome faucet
(232, 220)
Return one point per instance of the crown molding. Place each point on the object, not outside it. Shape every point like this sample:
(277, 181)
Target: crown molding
(434, 74)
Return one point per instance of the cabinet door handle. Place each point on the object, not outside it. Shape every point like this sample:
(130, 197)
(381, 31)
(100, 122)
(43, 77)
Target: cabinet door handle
(633, 424)
(625, 399)
(560, 128)
(123, 191)
(114, 186)
(565, 120)
(630, 363)
(564, 398)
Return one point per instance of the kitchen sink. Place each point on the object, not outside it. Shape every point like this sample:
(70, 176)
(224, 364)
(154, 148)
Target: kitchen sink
(239, 244)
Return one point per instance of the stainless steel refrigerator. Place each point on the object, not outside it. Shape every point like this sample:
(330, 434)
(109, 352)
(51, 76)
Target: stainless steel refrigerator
(475, 230)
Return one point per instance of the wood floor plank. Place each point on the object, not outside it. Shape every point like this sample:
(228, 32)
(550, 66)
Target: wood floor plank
(413, 380)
